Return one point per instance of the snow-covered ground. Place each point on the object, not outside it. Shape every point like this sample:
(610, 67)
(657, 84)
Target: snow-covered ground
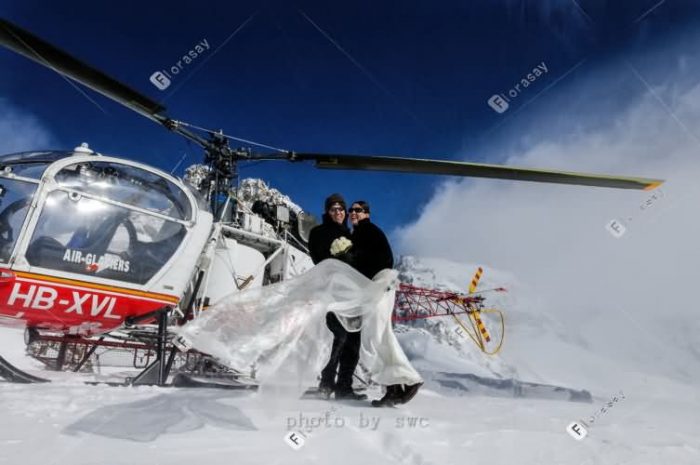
(512, 408)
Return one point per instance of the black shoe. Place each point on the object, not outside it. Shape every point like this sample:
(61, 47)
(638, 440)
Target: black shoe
(390, 397)
(383, 402)
(351, 395)
(407, 393)
(325, 390)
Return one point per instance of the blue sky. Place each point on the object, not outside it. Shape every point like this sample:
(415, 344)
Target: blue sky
(412, 79)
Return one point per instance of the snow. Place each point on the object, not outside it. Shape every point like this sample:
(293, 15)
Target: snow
(473, 408)
(252, 189)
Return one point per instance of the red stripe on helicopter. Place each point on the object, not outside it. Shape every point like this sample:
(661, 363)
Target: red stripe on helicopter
(72, 306)
(42, 277)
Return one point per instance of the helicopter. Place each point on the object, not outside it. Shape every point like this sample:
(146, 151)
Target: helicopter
(102, 251)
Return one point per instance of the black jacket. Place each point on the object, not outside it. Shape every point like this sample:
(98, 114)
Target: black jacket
(321, 237)
(371, 251)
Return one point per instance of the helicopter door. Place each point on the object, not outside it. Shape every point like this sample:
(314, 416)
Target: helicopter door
(15, 198)
(109, 221)
(20, 175)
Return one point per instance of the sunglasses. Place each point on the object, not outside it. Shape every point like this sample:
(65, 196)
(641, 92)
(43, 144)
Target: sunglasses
(337, 210)
(357, 210)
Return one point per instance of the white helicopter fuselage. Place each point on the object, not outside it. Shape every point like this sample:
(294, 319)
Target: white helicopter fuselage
(88, 241)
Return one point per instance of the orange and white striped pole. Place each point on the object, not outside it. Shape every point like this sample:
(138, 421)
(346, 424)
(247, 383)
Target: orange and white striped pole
(484, 334)
(475, 280)
(480, 326)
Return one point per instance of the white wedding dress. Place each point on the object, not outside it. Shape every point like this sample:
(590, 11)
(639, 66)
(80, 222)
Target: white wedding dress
(281, 329)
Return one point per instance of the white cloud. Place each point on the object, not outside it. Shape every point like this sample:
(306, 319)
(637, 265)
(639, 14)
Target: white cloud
(641, 287)
(19, 130)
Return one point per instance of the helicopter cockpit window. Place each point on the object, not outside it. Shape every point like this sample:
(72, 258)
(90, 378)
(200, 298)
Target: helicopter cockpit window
(128, 185)
(28, 164)
(26, 170)
(87, 236)
(15, 198)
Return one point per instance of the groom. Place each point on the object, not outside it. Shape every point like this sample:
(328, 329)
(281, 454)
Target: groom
(345, 352)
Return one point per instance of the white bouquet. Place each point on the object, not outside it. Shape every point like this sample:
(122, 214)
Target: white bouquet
(340, 246)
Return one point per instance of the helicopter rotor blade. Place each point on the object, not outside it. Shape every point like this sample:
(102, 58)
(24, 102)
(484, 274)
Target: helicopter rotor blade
(47, 55)
(477, 170)
(38, 50)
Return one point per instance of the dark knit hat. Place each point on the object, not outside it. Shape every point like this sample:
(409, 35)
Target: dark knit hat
(333, 199)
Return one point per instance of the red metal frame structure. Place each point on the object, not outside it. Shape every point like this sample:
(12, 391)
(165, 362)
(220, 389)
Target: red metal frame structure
(413, 303)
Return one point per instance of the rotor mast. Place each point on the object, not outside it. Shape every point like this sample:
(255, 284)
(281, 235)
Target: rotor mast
(223, 175)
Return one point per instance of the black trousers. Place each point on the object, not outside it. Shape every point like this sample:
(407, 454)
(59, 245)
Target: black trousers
(345, 355)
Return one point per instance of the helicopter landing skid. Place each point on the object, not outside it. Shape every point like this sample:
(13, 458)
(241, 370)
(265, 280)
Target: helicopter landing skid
(12, 374)
(199, 372)
(183, 380)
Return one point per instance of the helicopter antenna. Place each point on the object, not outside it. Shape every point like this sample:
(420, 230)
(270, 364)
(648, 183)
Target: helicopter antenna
(182, 158)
